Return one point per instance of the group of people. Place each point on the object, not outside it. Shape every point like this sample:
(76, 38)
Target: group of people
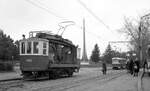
(133, 66)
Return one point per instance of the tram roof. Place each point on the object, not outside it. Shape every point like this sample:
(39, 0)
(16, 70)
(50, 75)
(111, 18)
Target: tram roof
(55, 38)
(118, 58)
(34, 39)
(49, 37)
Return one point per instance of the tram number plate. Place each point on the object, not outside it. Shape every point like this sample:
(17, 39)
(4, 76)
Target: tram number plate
(29, 60)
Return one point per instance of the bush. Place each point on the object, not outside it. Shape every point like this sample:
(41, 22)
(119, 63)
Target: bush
(6, 67)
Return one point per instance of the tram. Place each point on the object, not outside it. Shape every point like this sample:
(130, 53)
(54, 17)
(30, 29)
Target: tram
(118, 63)
(44, 54)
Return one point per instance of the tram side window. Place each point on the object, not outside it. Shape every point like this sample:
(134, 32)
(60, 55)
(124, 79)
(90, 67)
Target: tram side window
(44, 48)
(35, 49)
(23, 47)
(51, 52)
(29, 47)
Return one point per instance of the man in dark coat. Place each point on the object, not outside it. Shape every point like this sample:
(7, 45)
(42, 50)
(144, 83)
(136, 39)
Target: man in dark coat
(136, 67)
(104, 68)
(131, 66)
(127, 66)
(145, 65)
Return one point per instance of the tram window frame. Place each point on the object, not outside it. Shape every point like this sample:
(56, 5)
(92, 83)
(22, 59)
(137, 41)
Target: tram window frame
(29, 47)
(35, 47)
(44, 48)
(51, 51)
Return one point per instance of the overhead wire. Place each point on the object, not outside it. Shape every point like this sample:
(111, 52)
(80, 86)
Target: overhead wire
(91, 33)
(96, 17)
(93, 14)
(97, 36)
(57, 15)
(43, 8)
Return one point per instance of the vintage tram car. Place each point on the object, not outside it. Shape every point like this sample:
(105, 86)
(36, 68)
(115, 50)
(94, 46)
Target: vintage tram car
(47, 55)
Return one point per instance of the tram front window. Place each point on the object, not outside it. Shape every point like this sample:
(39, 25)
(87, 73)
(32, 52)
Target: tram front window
(29, 47)
(23, 47)
(35, 47)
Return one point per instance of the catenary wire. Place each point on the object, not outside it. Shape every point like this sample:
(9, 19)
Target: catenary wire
(43, 8)
(93, 14)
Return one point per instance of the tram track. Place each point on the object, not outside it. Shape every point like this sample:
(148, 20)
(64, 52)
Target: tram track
(7, 80)
(59, 84)
(9, 83)
(76, 83)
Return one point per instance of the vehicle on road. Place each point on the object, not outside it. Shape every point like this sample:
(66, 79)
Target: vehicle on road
(118, 63)
(46, 54)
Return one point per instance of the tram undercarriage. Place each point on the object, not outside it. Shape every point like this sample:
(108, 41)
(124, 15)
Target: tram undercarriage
(50, 74)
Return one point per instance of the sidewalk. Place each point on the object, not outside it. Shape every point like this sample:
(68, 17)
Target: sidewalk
(10, 75)
(146, 82)
(125, 82)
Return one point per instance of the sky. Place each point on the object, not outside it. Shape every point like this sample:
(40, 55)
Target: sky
(19, 17)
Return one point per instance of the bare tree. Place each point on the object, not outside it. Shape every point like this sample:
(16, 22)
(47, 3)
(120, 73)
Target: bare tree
(131, 29)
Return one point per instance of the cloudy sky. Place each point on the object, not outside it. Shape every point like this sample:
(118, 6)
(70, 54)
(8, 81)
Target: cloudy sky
(18, 17)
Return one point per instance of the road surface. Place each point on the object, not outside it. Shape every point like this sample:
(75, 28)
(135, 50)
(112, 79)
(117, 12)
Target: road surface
(88, 79)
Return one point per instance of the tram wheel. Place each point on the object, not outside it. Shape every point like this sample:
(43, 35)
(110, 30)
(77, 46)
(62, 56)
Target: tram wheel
(70, 73)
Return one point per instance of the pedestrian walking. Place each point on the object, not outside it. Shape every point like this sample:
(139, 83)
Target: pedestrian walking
(131, 66)
(127, 66)
(145, 65)
(104, 68)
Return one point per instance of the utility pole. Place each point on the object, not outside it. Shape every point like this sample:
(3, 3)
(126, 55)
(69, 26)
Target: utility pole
(143, 18)
(140, 42)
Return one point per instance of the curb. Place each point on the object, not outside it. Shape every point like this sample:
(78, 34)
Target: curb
(140, 82)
